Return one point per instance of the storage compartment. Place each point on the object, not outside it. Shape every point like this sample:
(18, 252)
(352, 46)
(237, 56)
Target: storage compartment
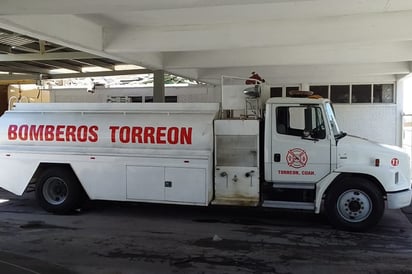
(180, 185)
(186, 185)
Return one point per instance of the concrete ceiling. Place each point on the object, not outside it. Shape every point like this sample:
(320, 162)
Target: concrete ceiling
(285, 41)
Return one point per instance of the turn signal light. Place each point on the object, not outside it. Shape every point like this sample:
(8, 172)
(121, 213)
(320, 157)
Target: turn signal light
(377, 162)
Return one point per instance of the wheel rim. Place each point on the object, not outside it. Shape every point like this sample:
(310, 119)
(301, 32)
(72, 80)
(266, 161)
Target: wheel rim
(55, 190)
(354, 205)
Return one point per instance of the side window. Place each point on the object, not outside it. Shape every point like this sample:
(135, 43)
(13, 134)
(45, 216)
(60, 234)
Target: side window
(290, 120)
(301, 121)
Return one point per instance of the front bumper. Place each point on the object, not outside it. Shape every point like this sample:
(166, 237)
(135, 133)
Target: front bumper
(399, 199)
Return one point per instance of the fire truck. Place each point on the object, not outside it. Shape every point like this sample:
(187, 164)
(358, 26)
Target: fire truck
(249, 150)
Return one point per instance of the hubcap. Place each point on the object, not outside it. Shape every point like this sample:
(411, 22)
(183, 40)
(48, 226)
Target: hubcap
(55, 190)
(354, 205)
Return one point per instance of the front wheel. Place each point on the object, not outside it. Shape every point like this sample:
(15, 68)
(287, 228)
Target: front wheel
(354, 204)
(58, 190)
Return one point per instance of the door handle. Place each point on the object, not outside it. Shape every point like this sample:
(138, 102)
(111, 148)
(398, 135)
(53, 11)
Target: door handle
(276, 157)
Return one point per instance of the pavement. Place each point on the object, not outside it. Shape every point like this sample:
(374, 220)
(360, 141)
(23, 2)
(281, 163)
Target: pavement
(126, 238)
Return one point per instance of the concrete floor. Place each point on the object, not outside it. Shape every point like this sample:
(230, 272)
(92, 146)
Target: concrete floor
(123, 238)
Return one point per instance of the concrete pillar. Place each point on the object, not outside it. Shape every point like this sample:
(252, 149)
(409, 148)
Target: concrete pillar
(158, 86)
(305, 86)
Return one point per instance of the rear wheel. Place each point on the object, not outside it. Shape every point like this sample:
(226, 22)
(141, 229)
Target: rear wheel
(354, 204)
(58, 190)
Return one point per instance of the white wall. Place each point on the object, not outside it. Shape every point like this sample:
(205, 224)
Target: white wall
(375, 122)
(184, 94)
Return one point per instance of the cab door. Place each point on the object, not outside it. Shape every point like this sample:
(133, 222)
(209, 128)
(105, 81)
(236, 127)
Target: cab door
(300, 146)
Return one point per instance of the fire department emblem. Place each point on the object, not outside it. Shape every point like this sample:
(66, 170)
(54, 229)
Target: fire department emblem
(296, 158)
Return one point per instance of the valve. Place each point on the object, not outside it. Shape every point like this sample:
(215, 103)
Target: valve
(249, 174)
(223, 174)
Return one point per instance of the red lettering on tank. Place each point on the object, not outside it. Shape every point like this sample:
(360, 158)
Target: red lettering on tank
(151, 135)
(124, 135)
(12, 132)
(113, 130)
(173, 135)
(148, 134)
(94, 137)
(49, 133)
(23, 132)
(137, 135)
(186, 136)
(60, 133)
(82, 134)
(36, 133)
(161, 135)
(53, 133)
(71, 133)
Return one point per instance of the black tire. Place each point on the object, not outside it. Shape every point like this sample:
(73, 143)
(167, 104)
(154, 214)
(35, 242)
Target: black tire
(354, 204)
(59, 191)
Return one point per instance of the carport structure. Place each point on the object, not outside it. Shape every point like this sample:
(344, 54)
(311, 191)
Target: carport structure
(352, 47)
(316, 44)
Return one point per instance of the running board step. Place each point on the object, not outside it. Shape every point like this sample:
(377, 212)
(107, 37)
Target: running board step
(294, 185)
(236, 201)
(289, 205)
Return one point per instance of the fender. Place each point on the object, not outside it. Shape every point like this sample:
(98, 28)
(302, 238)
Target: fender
(385, 176)
(321, 188)
(19, 169)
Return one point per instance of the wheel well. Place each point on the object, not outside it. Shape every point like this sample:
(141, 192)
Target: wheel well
(349, 176)
(44, 166)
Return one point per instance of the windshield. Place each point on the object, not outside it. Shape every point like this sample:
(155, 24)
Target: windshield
(332, 121)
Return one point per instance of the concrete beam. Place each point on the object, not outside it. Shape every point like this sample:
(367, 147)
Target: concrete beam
(379, 27)
(96, 74)
(82, 7)
(314, 74)
(280, 72)
(293, 55)
(46, 56)
(245, 9)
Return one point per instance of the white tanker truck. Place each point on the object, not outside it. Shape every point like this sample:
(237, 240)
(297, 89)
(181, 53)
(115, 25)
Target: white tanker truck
(250, 151)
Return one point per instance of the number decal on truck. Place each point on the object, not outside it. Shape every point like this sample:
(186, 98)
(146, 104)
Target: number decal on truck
(395, 162)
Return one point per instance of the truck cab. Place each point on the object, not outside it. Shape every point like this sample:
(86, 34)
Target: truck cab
(305, 161)
(309, 160)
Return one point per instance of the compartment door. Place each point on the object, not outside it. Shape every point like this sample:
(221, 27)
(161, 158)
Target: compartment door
(186, 185)
(145, 183)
